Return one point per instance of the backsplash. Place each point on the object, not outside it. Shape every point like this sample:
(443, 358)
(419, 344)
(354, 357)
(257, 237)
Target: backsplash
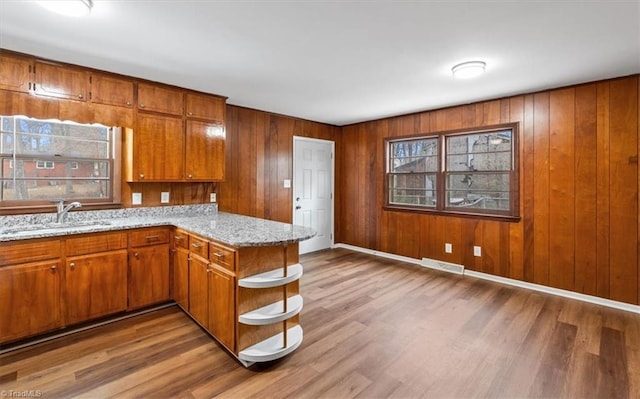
(76, 216)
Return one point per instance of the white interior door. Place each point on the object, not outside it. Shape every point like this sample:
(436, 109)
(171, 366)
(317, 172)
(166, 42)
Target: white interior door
(313, 190)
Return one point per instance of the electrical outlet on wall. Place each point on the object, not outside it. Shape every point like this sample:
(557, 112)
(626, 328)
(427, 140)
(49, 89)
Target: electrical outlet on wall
(136, 199)
(448, 248)
(212, 197)
(164, 197)
(477, 250)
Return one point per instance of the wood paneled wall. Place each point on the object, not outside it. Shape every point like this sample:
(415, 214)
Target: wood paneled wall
(259, 158)
(578, 191)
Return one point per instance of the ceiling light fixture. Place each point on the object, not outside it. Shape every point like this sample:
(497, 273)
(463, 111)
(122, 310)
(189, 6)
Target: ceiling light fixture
(468, 69)
(72, 8)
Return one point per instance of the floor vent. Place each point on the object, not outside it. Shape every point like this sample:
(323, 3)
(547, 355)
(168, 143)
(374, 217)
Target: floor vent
(444, 266)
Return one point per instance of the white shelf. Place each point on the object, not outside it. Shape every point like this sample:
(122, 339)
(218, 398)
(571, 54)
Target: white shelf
(273, 348)
(272, 278)
(273, 313)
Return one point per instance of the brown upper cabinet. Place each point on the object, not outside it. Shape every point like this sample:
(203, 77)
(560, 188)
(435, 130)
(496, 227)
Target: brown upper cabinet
(204, 151)
(58, 81)
(15, 73)
(109, 90)
(204, 107)
(156, 98)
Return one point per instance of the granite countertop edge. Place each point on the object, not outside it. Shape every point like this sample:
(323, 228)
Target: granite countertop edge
(202, 220)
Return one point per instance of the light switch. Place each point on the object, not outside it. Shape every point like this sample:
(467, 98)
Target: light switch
(287, 183)
(136, 199)
(477, 250)
(448, 248)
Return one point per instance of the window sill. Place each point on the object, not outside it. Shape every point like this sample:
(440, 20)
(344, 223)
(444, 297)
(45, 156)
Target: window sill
(22, 210)
(453, 213)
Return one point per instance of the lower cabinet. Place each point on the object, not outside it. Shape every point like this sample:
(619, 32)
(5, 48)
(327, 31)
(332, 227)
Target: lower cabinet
(198, 290)
(148, 276)
(95, 285)
(221, 285)
(30, 299)
(180, 271)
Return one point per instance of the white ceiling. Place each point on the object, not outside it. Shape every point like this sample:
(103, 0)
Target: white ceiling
(339, 62)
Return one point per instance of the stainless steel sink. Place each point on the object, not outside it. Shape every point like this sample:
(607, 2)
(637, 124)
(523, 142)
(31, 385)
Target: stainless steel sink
(52, 227)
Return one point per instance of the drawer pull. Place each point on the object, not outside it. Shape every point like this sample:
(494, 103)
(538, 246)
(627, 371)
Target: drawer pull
(178, 238)
(152, 238)
(219, 255)
(196, 245)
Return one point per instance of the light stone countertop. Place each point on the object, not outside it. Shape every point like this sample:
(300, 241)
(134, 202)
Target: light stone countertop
(203, 220)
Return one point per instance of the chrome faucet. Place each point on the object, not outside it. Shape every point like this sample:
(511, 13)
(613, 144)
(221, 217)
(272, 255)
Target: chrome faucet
(62, 210)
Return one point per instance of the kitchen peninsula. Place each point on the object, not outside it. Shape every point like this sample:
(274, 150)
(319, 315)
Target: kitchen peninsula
(236, 276)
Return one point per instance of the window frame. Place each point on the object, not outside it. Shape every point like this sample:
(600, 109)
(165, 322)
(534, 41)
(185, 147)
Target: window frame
(441, 207)
(114, 163)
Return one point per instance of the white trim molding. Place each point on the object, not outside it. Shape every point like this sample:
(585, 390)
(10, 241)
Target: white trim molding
(502, 280)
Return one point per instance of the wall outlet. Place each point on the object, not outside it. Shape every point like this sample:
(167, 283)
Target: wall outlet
(164, 197)
(477, 250)
(136, 199)
(448, 248)
(213, 197)
(287, 183)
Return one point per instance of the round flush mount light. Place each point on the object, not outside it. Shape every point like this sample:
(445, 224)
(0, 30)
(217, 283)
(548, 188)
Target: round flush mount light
(72, 8)
(468, 69)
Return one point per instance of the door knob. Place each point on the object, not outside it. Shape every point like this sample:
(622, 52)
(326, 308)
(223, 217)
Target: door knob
(298, 207)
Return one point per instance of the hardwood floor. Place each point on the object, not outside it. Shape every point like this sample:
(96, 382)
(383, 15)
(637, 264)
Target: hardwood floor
(373, 328)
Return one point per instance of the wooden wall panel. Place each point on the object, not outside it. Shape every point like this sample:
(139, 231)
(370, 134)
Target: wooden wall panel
(578, 191)
(259, 158)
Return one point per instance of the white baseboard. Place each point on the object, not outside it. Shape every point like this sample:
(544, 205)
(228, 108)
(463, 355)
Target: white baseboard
(503, 280)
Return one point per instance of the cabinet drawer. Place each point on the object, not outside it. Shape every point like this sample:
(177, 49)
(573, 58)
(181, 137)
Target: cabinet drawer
(29, 251)
(96, 243)
(180, 239)
(153, 236)
(222, 256)
(199, 246)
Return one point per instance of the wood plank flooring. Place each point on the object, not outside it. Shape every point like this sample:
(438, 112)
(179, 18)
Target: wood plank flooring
(373, 328)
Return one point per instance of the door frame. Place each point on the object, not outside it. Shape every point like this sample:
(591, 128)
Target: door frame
(297, 139)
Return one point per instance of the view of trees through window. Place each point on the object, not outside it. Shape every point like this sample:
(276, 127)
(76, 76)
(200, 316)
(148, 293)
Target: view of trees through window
(44, 160)
(470, 172)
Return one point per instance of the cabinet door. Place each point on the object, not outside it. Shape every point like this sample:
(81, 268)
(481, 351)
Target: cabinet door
(14, 73)
(60, 82)
(205, 107)
(198, 292)
(158, 149)
(160, 99)
(148, 276)
(109, 90)
(221, 306)
(30, 299)
(204, 154)
(181, 277)
(95, 285)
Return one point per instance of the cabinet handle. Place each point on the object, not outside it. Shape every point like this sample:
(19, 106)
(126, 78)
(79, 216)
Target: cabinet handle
(219, 255)
(136, 255)
(128, 103)
(72, 266)
(196, 245)
(152, 238)
(142, 175)
(80, 96)
(189, 176)
(54, 268)
(178, 238)
(141, 105)
(190, 113)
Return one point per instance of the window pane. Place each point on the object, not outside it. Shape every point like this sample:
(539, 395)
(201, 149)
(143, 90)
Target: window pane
(489, 161)
(411, 156)
(478, 190)
(413, 189)
(50, 189)
(478, 143)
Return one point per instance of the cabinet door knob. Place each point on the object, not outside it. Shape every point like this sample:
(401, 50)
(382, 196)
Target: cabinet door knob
(142, 175)
(128, 103)
(141, 105)
(54, 268)
(72, 265)
(190, 113)
(80, 96)
(136, 255)
(190, 176)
